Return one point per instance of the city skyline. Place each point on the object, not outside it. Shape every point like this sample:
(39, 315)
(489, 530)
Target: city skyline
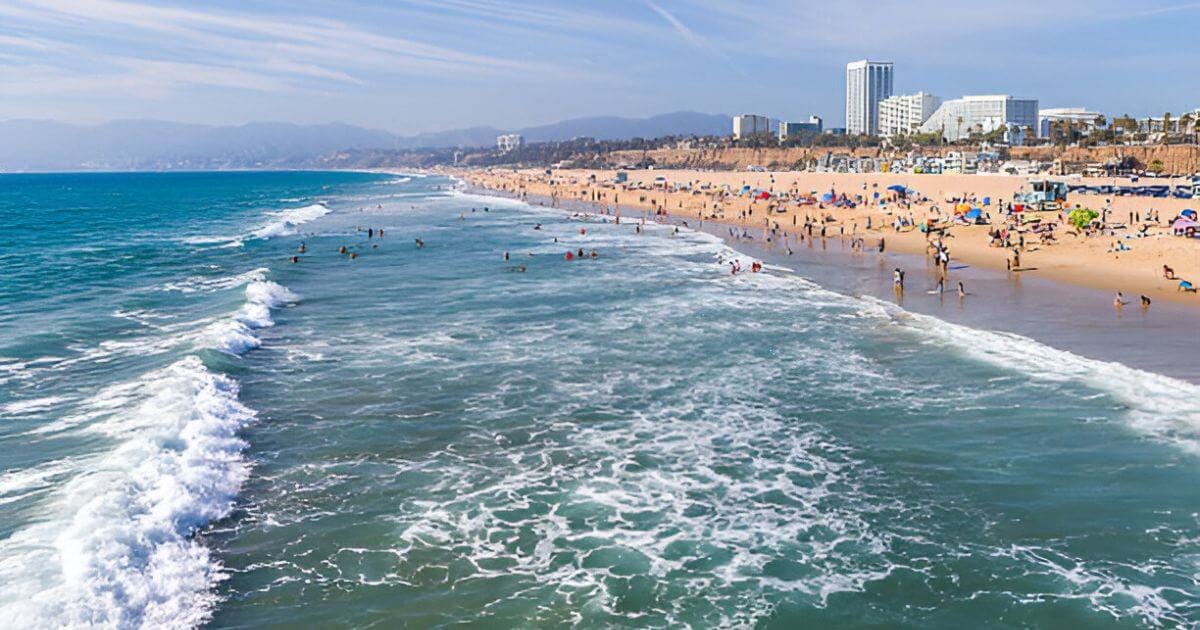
(425, 66)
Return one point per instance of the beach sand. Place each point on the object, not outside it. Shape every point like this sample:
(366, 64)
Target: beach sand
(1080, 260)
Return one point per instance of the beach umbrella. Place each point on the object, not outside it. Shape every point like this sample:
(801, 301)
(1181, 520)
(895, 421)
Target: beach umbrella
(898, 188)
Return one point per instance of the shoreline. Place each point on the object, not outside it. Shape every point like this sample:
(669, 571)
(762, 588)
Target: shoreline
(1073, 260)
(1042, 309)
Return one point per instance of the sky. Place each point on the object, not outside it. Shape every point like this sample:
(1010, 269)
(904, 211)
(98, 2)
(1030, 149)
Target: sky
(429, 65)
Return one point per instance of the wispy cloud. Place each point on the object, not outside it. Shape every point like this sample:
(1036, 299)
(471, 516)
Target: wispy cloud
(1175, 8)
(694, 38)
(135, 42)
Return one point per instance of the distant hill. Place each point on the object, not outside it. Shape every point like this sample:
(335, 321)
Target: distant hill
(38, 145)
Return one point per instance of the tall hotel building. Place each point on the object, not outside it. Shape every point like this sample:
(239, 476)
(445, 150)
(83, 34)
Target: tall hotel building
(867, 83)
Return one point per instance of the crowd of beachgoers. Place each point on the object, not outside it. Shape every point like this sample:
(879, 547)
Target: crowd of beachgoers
(1133, 246)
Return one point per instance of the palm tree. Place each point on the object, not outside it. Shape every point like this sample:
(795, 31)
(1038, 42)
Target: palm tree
(1185, 124)
(1167, 128)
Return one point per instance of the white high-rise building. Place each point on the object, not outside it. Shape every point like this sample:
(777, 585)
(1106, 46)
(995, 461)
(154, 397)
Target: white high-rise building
(867, 83)
(750, 125)
(902, 115)
(959, 118)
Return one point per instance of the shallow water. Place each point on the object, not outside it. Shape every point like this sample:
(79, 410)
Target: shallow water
(197, 431)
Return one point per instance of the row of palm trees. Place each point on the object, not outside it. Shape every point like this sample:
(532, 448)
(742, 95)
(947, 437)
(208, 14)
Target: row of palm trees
(1187, 126)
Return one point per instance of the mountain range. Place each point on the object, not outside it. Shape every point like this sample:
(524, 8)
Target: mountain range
(41, 145)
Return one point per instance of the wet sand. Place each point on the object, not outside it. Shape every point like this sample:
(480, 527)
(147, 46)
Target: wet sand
(1070, 317)
(1076, 260)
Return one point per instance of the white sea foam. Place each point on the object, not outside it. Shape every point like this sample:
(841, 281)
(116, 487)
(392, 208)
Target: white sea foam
(1160, 406)
(30, 405)
(113, 545)
(280, 223)
(236, 335)
(202, 284)
(114, 548)
(286, 222)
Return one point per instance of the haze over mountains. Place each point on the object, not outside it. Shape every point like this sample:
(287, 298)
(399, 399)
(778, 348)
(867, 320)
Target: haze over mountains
(38, 145)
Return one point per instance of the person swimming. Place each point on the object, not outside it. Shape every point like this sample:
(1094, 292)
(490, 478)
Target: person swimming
(342, 249)
(295, 259)
(303, 247)
(353, 255)
(420, 243)
(1145, 302)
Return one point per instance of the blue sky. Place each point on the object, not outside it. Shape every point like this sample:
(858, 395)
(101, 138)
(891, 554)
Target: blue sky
(427, 65)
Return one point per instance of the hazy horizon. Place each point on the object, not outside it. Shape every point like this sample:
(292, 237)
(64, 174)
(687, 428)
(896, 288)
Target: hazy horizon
(424, 66)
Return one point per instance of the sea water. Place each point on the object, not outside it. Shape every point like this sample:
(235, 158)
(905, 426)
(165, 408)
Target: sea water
(195, 430)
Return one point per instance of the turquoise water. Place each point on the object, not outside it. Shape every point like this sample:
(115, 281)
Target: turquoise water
(194, 430)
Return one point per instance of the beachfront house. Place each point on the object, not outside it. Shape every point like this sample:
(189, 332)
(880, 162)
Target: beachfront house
(509, 142)
(1076, 118)
(958, 162)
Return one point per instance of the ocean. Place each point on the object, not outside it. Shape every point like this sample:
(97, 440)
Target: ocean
(196, 431)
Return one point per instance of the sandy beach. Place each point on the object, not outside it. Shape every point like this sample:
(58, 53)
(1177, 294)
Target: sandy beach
(1093, 261)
